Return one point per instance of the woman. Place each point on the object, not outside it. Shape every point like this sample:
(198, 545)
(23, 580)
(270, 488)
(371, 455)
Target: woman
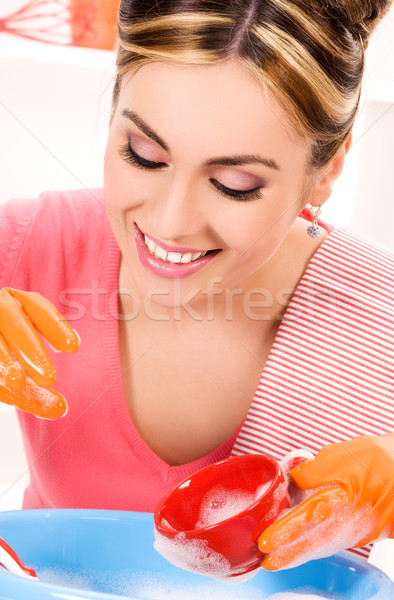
(217, 314)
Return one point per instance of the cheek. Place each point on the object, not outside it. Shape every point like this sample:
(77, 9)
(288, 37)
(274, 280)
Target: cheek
(255, 228)
(122, 185)
(256, 237)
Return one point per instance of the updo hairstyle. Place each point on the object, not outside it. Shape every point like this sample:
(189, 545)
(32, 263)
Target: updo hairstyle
(309, 54)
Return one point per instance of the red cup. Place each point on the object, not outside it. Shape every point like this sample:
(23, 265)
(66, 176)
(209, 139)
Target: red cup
(210, 522)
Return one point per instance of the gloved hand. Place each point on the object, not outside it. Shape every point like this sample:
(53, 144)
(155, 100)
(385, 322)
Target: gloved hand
(22, 352)
(354, 503)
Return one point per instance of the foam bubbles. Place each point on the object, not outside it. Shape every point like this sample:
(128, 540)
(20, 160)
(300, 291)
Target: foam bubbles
(75, 580)
(161, 588)
(147, 585)
(221, 504)
(343, 529)
(193, 555)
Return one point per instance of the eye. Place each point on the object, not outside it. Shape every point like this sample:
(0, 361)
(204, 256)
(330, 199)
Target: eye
(242, 195)
(130, 156)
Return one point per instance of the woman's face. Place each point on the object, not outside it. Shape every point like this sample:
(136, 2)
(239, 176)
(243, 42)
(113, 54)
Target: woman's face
(200, 162)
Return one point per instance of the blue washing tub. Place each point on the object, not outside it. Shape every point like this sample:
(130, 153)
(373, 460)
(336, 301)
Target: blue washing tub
(91, 554)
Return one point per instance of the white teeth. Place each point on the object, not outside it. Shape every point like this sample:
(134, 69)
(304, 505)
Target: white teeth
(172, 257)
(160, 253)
(186, 258)
(150, 244)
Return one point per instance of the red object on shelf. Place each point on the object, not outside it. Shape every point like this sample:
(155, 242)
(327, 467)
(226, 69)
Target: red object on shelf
(93, 23)
(88, 23)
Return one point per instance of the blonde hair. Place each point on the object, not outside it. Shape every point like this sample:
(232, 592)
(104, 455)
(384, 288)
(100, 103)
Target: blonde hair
(308, 54)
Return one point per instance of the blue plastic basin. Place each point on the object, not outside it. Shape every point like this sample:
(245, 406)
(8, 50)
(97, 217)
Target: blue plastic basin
(91, 554)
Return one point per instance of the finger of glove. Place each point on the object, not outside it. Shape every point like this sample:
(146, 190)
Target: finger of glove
(11, 373)
(25, 342)
(302, 519)
(346, 527)
(309, 475)
(330, 464)
(48, 320)
(41, 402)
(319, 542)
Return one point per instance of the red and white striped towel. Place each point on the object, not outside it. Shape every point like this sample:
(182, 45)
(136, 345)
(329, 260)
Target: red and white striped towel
(330, 373)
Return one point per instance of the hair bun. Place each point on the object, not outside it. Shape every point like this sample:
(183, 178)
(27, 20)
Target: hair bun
(361, 16)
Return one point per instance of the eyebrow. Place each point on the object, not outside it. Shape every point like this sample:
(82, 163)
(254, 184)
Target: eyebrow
(238, 159)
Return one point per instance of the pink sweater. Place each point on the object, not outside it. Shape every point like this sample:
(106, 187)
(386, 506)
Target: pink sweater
(329, 375)
(62, 247)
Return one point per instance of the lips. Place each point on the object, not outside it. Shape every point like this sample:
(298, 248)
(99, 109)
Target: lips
(170, 262)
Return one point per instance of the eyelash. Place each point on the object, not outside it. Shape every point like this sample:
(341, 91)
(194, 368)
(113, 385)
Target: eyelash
(128, 154)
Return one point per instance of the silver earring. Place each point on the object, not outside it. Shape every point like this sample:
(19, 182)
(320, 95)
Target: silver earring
(314, 230)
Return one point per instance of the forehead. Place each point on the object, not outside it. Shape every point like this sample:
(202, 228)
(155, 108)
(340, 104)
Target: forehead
(219, 104)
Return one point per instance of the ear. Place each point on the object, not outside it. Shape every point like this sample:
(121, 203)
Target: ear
(322, 188)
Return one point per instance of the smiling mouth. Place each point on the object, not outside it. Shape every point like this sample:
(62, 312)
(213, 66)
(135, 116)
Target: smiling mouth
(173, 257)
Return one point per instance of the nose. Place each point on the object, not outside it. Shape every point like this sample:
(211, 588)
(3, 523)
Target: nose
(177, 213)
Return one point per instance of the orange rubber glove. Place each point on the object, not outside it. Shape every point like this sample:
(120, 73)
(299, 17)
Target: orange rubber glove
(22, 352)
(354, 503)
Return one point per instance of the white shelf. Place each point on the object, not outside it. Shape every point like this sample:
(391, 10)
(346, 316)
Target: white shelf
(15, 47)
(14, 472)
(11, 497)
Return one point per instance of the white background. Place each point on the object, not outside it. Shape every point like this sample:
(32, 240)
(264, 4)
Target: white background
(54, 109)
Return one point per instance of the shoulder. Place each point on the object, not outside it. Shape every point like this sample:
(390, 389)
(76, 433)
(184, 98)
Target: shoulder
(54, 207)
(74, 212)
(360, 252)
(358, 269)
(56, 226)
(73, 209)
